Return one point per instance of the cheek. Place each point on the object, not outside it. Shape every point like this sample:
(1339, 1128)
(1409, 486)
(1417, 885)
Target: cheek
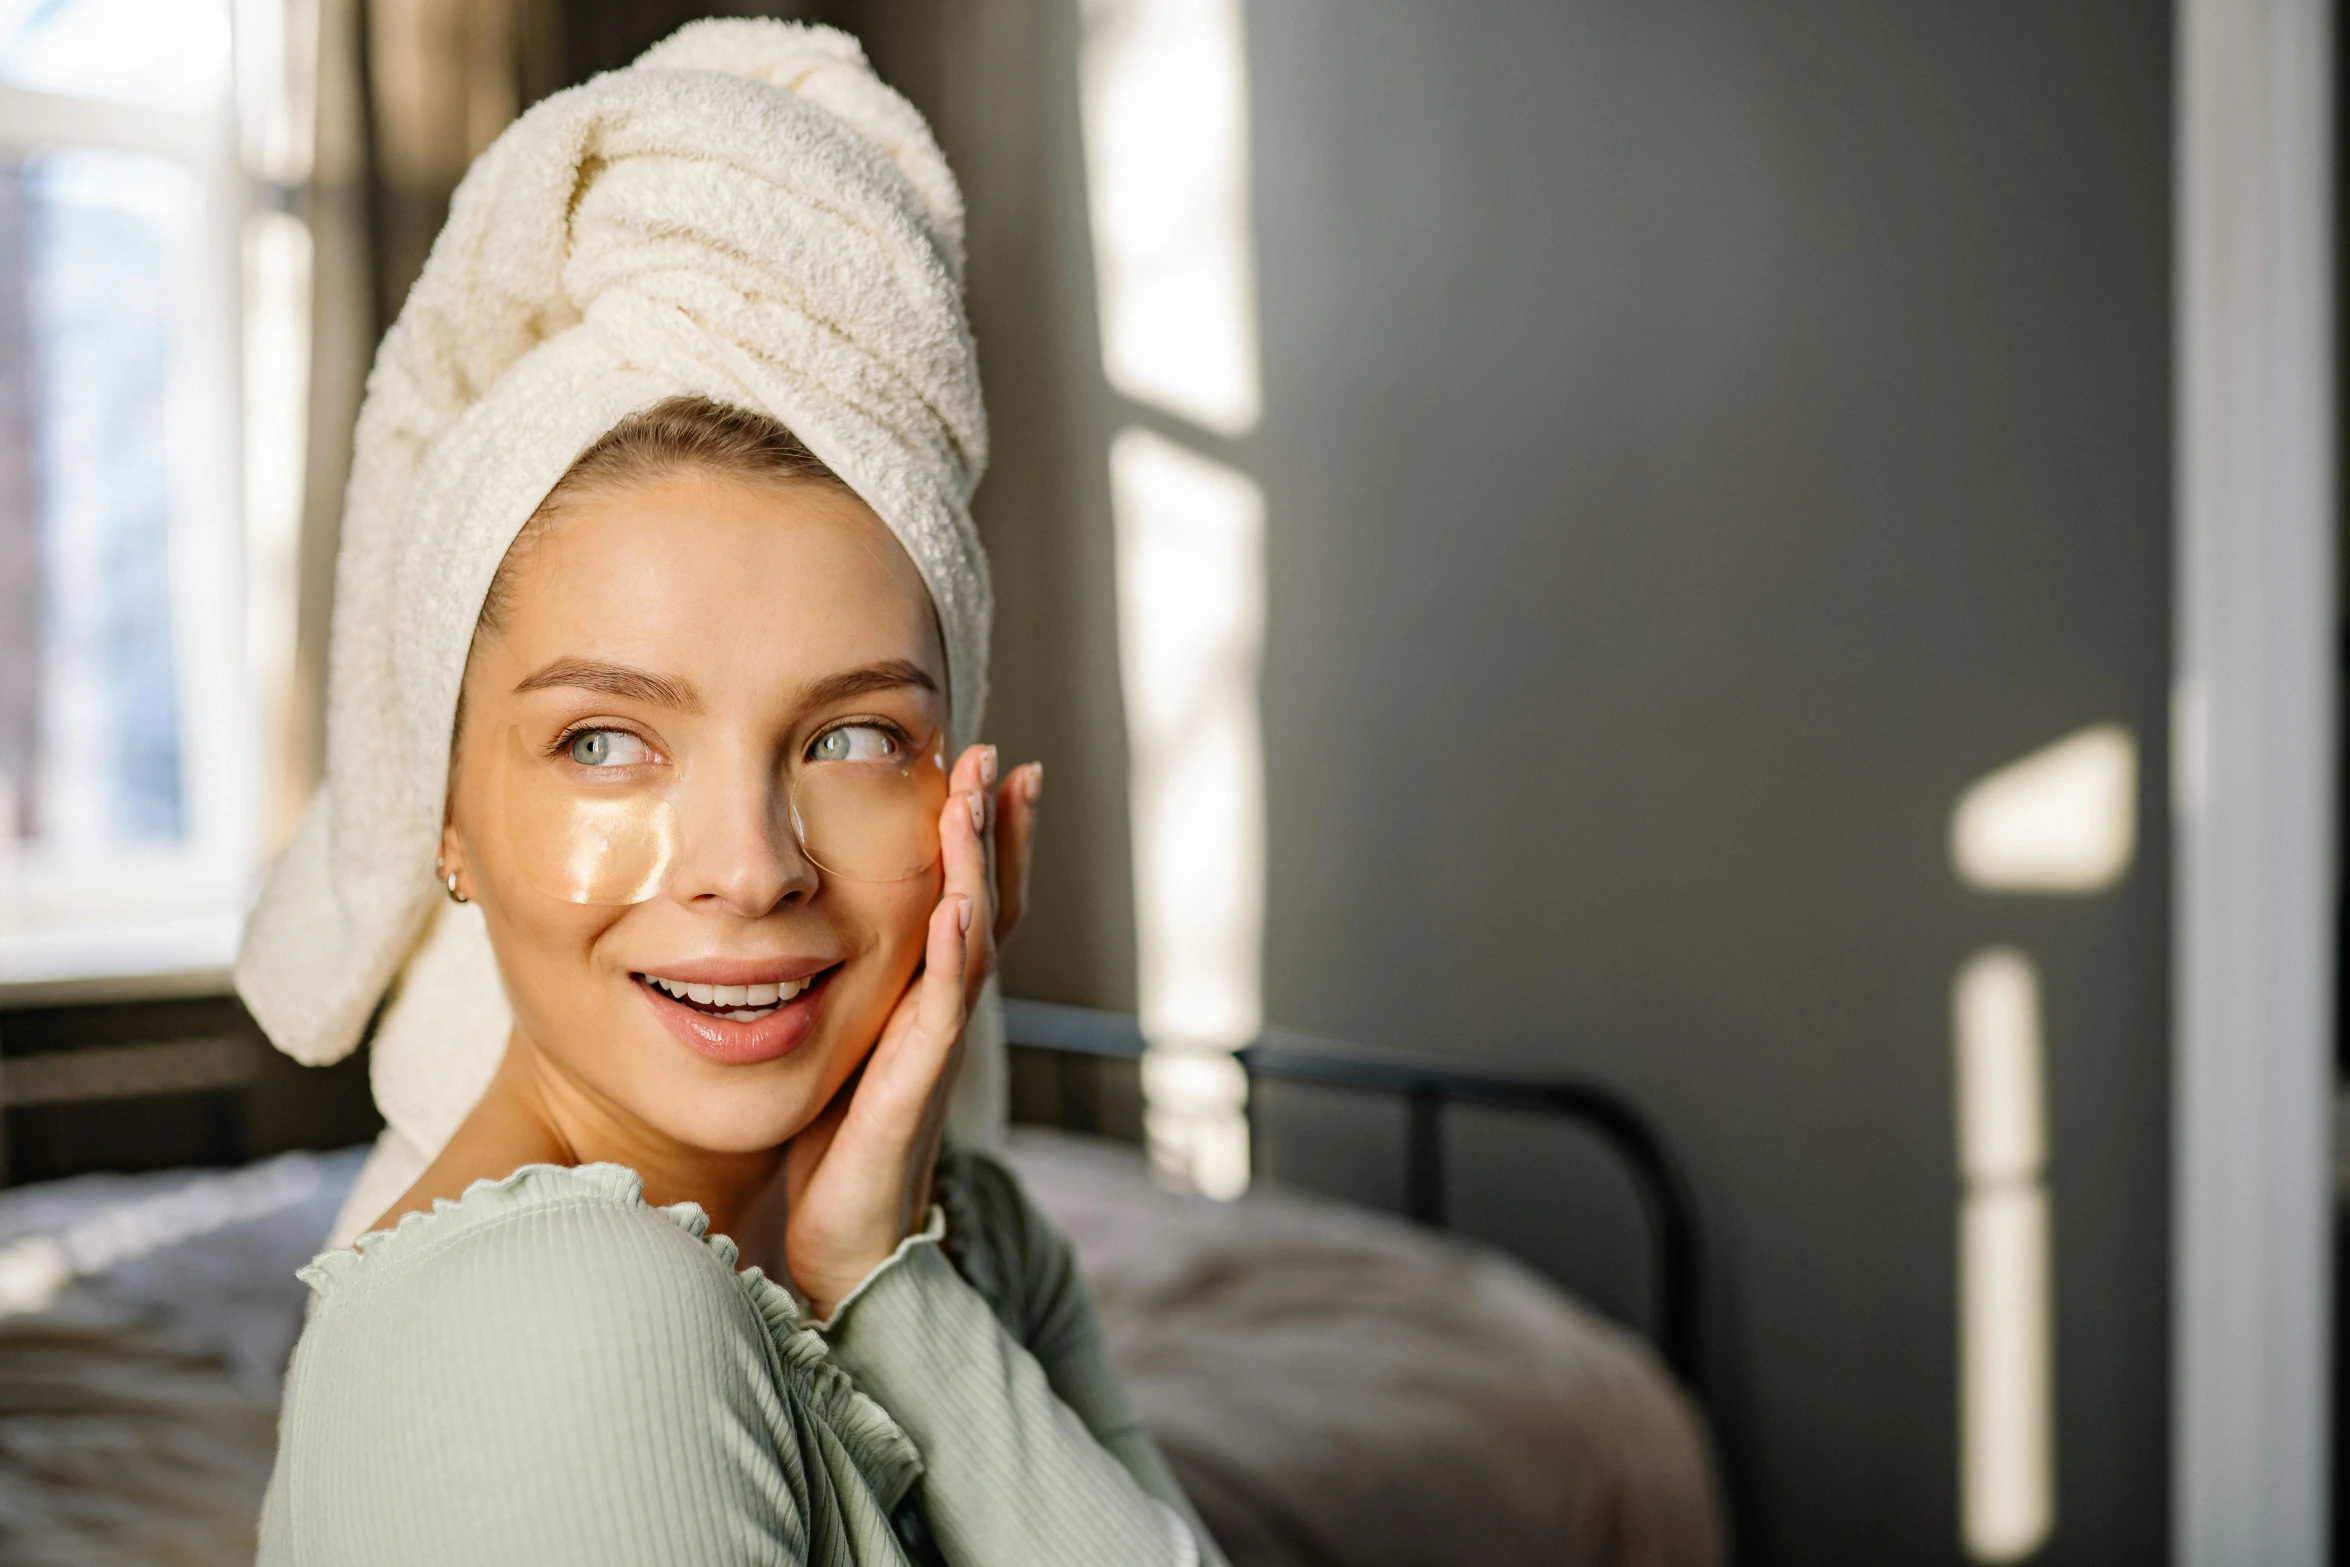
(546, 951)
(890, 920)
(516, 905)
(912, 905)
(901, 913)
(545, 954)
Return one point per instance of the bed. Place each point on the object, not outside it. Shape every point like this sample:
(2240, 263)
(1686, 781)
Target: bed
(1335, 1387)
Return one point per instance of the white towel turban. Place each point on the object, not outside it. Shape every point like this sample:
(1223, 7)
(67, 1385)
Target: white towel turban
(746, 214)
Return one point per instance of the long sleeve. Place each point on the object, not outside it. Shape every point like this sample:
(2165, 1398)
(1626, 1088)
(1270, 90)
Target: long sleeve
(550, 1372)
(1031, 1453)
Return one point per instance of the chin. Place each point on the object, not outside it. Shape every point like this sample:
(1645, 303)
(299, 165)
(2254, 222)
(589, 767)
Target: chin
(729, 1118)
(748, 1109)
(726, 1129)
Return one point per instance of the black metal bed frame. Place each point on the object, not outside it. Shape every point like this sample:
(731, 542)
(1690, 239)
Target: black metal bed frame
(1426, 1085)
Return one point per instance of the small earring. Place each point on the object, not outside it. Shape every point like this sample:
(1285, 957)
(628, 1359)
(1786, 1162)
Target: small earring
(454, 895)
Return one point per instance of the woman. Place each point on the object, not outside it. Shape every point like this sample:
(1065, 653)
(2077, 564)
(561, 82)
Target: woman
(660, 636)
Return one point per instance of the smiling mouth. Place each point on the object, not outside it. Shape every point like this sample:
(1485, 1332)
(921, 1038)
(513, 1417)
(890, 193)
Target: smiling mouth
(733, 1003)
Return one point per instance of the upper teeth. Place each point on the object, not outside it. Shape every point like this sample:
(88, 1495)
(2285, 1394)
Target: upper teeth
(730, 995)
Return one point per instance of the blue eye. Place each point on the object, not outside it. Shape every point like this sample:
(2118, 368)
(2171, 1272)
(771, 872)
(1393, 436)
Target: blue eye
(854, 743)
(608, 748)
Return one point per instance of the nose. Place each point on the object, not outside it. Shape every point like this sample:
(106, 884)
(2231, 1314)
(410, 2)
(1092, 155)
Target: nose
(736, 850)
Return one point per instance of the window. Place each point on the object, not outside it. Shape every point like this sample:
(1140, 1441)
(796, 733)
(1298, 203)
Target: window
(153, 335)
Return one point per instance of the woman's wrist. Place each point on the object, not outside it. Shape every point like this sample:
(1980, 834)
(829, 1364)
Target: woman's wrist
(827, 1311)
(830, 1279)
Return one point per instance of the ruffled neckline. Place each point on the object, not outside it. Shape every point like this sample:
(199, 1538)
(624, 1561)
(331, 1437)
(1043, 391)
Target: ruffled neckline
(881, 1451)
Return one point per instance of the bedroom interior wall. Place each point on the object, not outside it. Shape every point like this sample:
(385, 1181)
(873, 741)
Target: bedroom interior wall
(1700, 443)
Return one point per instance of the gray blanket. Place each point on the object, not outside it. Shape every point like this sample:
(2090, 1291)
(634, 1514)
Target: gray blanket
(1335, 1388)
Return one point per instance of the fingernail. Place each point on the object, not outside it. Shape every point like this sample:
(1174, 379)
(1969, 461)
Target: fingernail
(1034, 788)
(978, 811)
(987, 761)
(963, 915)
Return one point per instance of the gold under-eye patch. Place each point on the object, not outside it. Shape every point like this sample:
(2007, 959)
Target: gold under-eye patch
(873, 820)
(611, 835)
(581, 838)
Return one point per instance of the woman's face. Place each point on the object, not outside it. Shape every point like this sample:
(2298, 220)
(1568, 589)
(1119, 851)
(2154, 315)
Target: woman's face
(695, 647)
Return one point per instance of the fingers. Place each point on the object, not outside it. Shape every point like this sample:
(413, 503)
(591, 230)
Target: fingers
(859, 1178)
(965, 829)
(974, 769)
(939, 1013)
(1007, 825)
(918, 1047)
(1015, 835)
(982, 784)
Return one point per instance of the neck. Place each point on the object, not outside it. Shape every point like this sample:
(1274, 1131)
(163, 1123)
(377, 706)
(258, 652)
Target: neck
(589, 1128)
(534, 1112)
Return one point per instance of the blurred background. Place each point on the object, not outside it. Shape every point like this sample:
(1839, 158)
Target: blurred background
(1613, 538)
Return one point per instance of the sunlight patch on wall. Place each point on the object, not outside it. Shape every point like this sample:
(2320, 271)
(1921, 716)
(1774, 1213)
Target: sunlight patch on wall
(1163, 91)
(2007, 1484)
(2063, 819)
(1163, 95)
(1191, 626)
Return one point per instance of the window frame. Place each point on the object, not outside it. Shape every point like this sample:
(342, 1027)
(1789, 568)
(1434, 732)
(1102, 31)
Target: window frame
(142, 910)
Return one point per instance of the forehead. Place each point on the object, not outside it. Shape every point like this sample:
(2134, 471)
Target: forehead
(720, 579)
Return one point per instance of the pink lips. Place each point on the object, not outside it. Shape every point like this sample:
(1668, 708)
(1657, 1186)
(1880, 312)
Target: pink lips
(741, 1044)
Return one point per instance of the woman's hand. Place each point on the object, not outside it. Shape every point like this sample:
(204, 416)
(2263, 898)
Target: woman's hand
(858, 1177)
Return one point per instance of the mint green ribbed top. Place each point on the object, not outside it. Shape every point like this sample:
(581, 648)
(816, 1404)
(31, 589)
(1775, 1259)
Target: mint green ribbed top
(551, 1371)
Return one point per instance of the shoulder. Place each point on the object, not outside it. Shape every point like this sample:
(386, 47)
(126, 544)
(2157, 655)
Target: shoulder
(560, 1288)
(547, 1247)
(550, 1356)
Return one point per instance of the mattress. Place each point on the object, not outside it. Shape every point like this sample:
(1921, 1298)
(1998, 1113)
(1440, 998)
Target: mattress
(1335, 1388)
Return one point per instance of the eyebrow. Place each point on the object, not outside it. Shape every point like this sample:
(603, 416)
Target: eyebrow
(889, 675)
(641, 685)
(636, 685)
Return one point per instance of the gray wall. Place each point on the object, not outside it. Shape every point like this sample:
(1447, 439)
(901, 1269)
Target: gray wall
(1701, 440)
